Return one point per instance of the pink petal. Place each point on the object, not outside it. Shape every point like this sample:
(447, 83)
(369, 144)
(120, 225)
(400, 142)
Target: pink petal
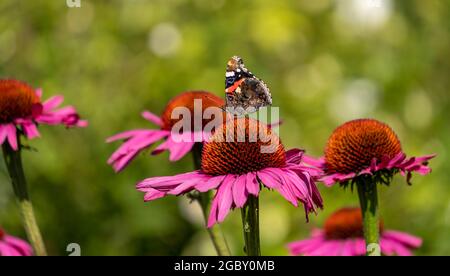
(400, 249)
(30, 130)
(294, 156)
(152, 194)
(252, 184)
(3, 133)
(184, 187)
(210, 184)
(11, 135)
(129, 134)
(39, 93)
(20, 245)
(305, 246)
(53, 103)
(406, 239)
(152, 118)
(239, 192)
(212, 219)
(225, 197)
(169, 181)
(179, 150)
(347, 248)
(8, 250)
(268, 179)
(318, 163)
(359, 247)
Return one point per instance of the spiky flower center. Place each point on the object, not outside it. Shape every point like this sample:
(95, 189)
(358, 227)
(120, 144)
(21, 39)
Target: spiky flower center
(353, 146)
(17, 100)
(240, 146)
(344, 224)
(187, 100)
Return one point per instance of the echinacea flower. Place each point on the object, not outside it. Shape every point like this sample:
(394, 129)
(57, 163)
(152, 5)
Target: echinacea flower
(366, 147)
(12, 246)
(342, 235)
(21, 110)
(135, 141)
(237, 160)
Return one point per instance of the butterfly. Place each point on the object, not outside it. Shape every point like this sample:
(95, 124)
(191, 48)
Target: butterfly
(244, 92)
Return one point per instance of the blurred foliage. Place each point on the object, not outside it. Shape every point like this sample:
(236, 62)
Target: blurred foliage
(325, 61)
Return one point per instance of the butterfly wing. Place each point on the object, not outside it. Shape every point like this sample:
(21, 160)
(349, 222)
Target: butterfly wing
(244, 92)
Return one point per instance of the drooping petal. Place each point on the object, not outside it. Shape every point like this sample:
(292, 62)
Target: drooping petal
(179, 150)
(269, 179)
(239, 191)
(11, 135)
(222, 202)
(169, 181)
(225, 197)
(212, 183)
(252, 184)
(294, 156)
(129, 150)
(3, 133)
(152, 194)
(30, 130)
(131, 133)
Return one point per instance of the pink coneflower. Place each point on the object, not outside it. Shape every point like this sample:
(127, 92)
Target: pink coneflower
(12, 246)
(342, 235)
(237, 169)
(366, 147)
(21, 110)
(366, 153)
(140, 139)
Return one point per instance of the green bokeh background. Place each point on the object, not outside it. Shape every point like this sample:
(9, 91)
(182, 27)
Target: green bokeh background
(325, 61)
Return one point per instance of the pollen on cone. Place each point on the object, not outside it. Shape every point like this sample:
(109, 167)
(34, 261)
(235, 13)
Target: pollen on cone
(345, 223)
(354, 145)
(187, 100)
(240, 146)
(17, 100)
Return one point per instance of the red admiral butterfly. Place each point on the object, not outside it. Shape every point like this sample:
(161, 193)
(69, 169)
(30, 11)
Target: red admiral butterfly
(244, 92)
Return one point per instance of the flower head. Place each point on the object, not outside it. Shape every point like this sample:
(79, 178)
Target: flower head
(140, 139)
(342, 235)
(12, 246)
(366, 147)
(21, 110)
(242, 156)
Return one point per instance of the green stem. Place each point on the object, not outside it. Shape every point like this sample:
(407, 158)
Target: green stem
(250, 224)
(368, 198)
(204, 199)
(13, 162)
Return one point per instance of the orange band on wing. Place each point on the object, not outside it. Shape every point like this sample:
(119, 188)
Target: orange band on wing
(231, 89)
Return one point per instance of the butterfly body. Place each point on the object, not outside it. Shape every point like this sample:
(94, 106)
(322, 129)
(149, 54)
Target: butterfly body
(245, 93)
